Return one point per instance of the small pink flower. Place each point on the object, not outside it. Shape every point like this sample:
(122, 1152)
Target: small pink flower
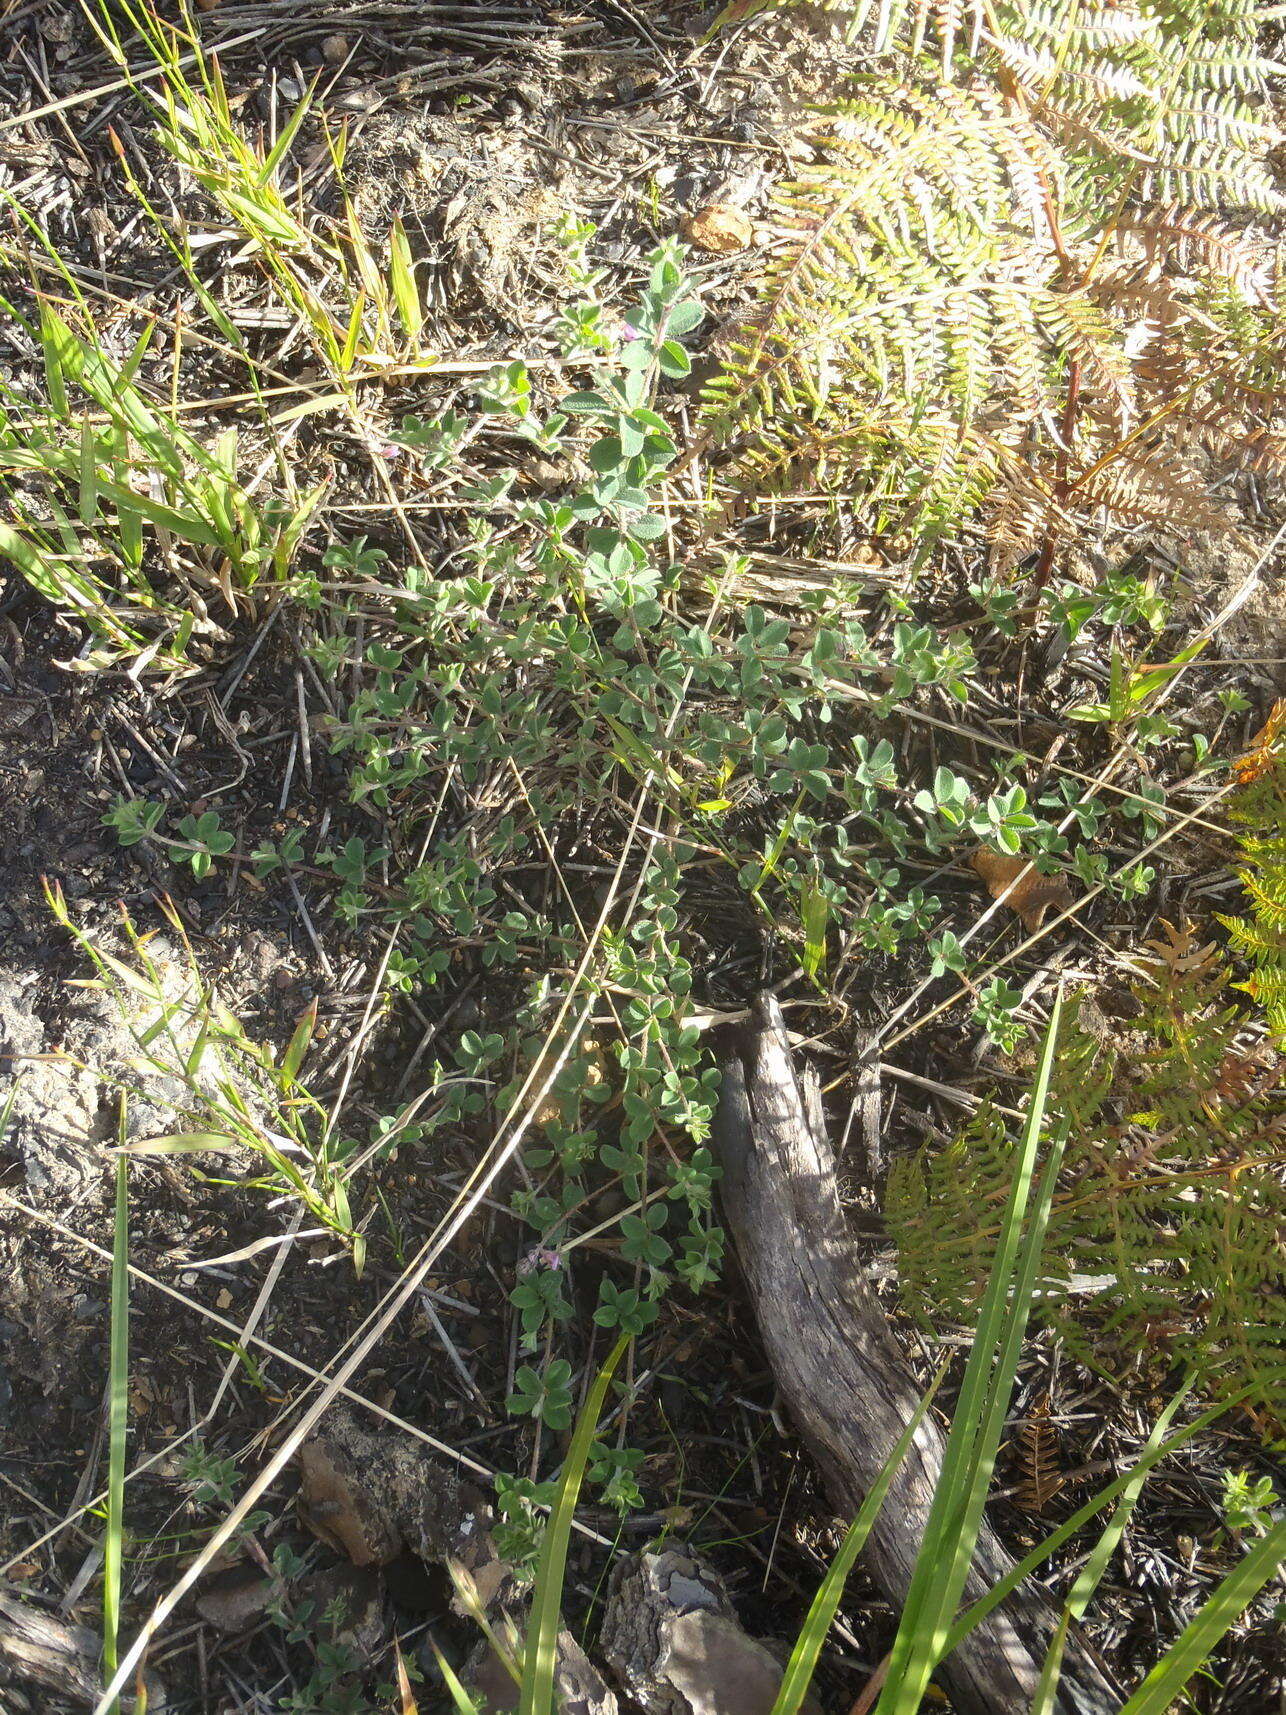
(539, 1257)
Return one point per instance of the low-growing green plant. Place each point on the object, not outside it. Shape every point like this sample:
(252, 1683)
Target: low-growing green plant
(117, 513)
(995, 1012)
(240, 1098)
(559, 664)
(544, 1394)
(337, 1679)
(211, 1481)
(552, 674)
(1250, 1504)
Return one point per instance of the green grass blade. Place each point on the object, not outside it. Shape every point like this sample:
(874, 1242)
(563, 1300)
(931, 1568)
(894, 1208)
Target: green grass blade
(815, 916)
(9, 1100)
(460, 1698)
(50, 352)
(289, 539)
(1091, 1574)
(405, 292)
(42, 570)
(130, 504)
(962, 1539)
(1014, 1328)
(1151, 1456)
(1194, 1644)
(293, 1058)
(185, 1143)
(287, 135)
(808, 1645)
(117, 1414)
(87, 476)
(540, 1656)
(956, 1511)
(1042, 1702)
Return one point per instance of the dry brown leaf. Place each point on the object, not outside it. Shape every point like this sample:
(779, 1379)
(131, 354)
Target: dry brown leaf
(1258, 759)
(1034, 894)
(1180, 950)
(719, 228)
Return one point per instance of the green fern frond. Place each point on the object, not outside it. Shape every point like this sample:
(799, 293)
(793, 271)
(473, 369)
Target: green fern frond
(1260, 939)
(1267, 889)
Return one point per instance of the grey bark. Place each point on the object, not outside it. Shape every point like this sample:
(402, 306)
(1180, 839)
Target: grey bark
(672, 1637)
(64, 1659)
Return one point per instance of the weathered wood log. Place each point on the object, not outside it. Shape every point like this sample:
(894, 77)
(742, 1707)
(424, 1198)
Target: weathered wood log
(62, 1658)
(371, 1493)
(844, 1379)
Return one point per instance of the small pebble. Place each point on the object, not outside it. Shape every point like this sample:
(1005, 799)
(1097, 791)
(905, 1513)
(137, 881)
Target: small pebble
(335, 50)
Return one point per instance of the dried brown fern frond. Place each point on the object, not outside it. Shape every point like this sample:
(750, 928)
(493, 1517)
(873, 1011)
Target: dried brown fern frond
(1038, 1455)
(1177, 240)
(1022, 512)
(1149, 486)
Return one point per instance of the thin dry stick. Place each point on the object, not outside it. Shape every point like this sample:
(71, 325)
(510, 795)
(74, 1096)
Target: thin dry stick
(260, 1344)
(128, 82)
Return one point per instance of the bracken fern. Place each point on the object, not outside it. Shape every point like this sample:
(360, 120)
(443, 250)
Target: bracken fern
(1260, 809)
(1029, 269)
(1165, 1242)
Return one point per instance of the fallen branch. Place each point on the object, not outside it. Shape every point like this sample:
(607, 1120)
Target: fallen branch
(62, 1658)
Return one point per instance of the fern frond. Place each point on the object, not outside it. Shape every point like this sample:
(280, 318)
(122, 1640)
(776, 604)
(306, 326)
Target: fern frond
(1175, 237)
(1018, 204)
(1267, 890)
(1260, 807)
(1165, 1240)
(906, 287)
(1150, 486)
